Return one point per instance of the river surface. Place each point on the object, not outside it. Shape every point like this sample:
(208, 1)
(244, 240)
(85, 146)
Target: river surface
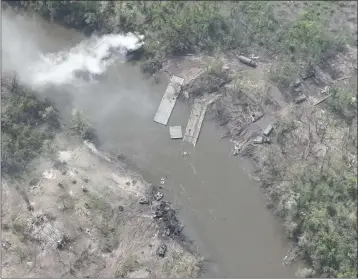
(222, 207)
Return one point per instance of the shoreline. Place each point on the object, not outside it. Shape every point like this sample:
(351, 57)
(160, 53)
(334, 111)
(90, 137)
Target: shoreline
(261, 156)
(79, 211)
(281, 163)
(131, 199)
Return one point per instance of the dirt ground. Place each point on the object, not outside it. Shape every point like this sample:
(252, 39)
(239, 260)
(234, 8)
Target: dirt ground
(91, 216)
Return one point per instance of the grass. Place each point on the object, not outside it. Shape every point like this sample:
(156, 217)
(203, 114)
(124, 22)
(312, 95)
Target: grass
(97, 203)
(129, 265)
(179, 264)
(66, 201)
(19, 225)
(107, 227)
(109, 240)
(343, 102)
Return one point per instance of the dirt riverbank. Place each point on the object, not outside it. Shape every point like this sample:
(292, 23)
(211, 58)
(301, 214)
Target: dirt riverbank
(90, 217)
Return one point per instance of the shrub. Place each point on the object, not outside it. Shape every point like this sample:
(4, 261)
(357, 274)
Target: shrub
(284, 73)
(81, 126)
(307, 39)
(325, 233)
(26, 124)
(343, 102)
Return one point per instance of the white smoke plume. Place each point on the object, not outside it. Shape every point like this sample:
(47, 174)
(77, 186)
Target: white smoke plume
(22, 48)
(90, 58)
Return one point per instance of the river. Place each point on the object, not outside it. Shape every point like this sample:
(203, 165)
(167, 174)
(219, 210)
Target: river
(222, 207)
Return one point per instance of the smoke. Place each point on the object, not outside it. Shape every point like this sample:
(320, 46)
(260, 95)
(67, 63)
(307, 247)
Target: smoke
(78, 72)
(89, 59)
(27, 49)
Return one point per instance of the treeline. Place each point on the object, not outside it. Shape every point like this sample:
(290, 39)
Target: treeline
(182, 27)
(28, 126)
(324, 220)
(319, 206)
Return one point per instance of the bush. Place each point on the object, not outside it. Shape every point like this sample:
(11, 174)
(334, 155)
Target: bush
(307, 39)
(170, 27)
(258, 20)
(173, 28)
(283, 129)
(303, 44)
(325, 214)
(284, 73)
(343, 102)
(209, 82)
(81, 126)
(26, 124)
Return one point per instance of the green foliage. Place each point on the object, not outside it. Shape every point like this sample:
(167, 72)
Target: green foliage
(170, 27)
(152, 64)
(85, 15)
(308, 39)
(301, 44)
(177, 27)
(26, 124)
(285, 73)
(81, 126)
(190, 27)
(259, 22)
(319, 205)
(325, 214)
(283, 128)
(343, 102)
(209, 82)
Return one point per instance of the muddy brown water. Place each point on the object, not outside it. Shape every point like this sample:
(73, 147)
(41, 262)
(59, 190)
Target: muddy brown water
(222, 207)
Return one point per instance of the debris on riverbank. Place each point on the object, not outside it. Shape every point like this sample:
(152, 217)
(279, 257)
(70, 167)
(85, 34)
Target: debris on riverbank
(79, 212)
(304, 140)
(94, 232)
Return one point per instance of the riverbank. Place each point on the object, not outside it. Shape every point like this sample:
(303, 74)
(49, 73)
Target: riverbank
(120, 106)
(250, 92)
(75, 211)
(302, 147)
(298, 125)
